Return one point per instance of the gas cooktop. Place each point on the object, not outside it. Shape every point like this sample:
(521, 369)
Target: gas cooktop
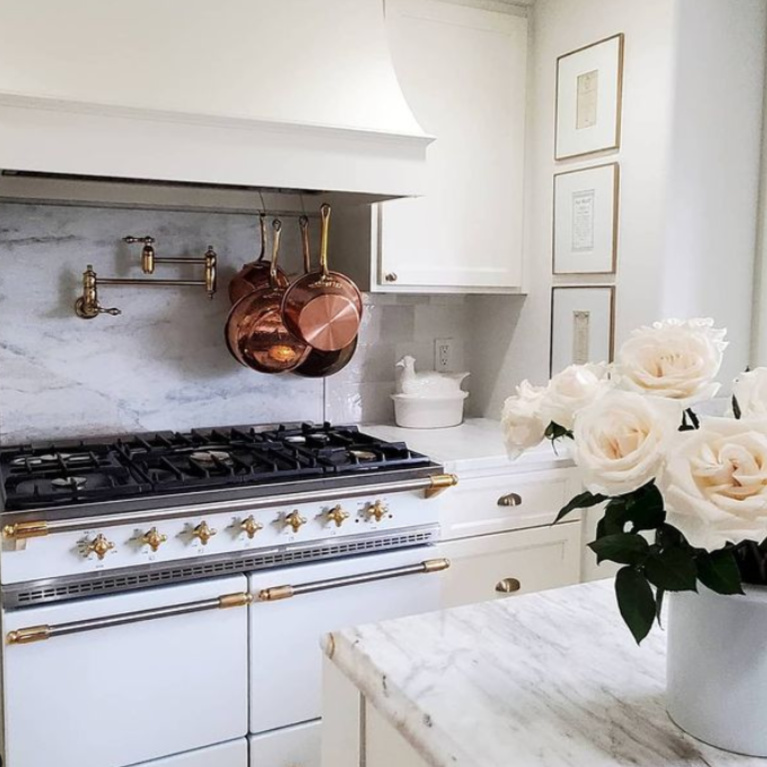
(75, 472)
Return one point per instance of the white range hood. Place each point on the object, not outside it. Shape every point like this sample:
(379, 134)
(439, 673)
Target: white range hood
(290, 94)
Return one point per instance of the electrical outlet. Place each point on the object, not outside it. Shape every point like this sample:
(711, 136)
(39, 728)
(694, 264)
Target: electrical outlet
(444, 355)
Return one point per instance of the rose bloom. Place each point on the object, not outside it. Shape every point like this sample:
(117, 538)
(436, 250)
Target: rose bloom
(675, 359)
(521, 420)
(750, 390)
(715, 482)
(571, 390)
(620, 440)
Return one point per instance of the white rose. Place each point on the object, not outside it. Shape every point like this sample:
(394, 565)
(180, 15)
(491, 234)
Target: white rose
(715, 482)
(750, 390)
(675, 359)
(521, 420)
(620, 440)
(571, 390)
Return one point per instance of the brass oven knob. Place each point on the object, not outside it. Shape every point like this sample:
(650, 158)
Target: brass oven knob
(337, 515)
(294, 520)
(203, 532)
(377, 510)
(99, 546)
(250, 526)
(153, 539)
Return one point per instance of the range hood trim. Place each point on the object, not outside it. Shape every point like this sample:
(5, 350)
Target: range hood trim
(128, 142)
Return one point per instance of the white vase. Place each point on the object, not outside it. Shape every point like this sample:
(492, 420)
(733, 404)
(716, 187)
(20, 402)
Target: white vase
(717, 668)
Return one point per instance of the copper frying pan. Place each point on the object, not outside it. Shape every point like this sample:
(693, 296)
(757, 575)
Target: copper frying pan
(255, 274)
(255, 333)
(323, 308)
(319, 364)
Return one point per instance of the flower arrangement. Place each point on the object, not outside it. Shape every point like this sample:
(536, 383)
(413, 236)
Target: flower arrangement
(685, 497)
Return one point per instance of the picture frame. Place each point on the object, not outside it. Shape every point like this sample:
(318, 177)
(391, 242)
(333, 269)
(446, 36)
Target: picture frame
(589, 92)
(582, 325)
(585, 225)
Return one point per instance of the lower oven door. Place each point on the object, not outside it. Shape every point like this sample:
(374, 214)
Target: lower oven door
(285, 631)
(119, 680)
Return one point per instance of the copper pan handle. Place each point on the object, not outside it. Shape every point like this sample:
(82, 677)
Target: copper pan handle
(262, 227)
(303, 222)
(277, 227)
(325, 215)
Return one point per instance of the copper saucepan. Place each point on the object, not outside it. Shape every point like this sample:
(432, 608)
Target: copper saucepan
(255, 274)
(319, 364)
(255, 332)
(323, 308)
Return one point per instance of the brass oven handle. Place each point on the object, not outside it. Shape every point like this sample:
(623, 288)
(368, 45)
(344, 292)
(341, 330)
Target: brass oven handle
(512, 499)
(285, 592)
(508, 586)
(31, 634)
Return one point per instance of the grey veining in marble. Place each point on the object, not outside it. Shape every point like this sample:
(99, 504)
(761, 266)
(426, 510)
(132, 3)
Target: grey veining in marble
(163, 364)
(552, 679)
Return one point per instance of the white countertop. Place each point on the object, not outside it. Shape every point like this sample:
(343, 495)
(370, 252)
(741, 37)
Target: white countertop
(477, 444)
(552, 679)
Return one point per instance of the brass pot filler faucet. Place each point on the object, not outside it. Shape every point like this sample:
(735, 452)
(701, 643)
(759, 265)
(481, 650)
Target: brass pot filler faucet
(87, 306)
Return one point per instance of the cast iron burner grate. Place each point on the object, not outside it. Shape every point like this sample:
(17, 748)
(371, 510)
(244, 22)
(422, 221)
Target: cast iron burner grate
(82, 471)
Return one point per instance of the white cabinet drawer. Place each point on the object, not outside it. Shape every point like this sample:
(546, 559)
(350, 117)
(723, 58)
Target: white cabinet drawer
(232, 754)
(297, 746)
(483, 505)
(526, 560)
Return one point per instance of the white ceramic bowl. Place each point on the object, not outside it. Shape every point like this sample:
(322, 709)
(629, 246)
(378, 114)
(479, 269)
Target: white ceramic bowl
(428, 412)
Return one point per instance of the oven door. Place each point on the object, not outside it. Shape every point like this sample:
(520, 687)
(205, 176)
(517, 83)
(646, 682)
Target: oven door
(118, 680)
(285, 631)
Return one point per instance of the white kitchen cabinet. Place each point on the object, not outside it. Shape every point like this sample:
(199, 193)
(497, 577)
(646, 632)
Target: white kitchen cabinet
(481, 505)
(232, 754)
(463, 72)
(496, 566)
(297, 746)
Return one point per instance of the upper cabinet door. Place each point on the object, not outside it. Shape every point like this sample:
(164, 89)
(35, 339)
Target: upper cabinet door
(463, 72)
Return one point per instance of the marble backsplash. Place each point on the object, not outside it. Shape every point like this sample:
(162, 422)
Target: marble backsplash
(163, 363)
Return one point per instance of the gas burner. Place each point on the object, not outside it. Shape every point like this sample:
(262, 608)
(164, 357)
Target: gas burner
(363, 455)
(69, 483)
(211, 457)
(47, 459)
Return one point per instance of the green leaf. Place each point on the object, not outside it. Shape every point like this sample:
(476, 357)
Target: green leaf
(659, 594)
(635, 601)
(644, 508)
(672, 569)
(554, 431)
(623, 548)
(736, 408)
(581, 501)
(614, 519)
(719, 571)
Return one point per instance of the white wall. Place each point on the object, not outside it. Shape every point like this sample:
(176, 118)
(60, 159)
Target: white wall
(693, 81)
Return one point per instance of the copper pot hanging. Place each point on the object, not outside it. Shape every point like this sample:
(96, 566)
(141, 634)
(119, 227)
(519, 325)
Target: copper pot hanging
(323, 308)
(255, 274)
(255, 333)
(319, 364)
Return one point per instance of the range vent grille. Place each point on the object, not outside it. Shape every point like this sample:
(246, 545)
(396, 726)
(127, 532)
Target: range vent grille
(26, 594)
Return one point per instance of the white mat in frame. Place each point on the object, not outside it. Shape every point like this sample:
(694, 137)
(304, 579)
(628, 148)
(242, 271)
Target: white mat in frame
(582, 325)
(585, 230)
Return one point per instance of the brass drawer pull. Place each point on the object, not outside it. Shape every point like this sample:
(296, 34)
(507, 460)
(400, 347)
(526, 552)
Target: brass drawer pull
(512, 499)
(508, 586)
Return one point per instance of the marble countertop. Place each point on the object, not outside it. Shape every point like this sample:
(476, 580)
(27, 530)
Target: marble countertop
(552, 679)
(475, 445)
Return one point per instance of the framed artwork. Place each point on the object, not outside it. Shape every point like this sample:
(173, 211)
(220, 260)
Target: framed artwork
(586, 220)
(582, 325)
(589, 92)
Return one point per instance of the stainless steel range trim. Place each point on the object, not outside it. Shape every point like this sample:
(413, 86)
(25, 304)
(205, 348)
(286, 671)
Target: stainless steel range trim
(73, 522)
(29, 593)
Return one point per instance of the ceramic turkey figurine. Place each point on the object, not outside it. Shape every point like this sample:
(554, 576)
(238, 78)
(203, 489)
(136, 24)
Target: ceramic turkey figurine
(428, 384)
